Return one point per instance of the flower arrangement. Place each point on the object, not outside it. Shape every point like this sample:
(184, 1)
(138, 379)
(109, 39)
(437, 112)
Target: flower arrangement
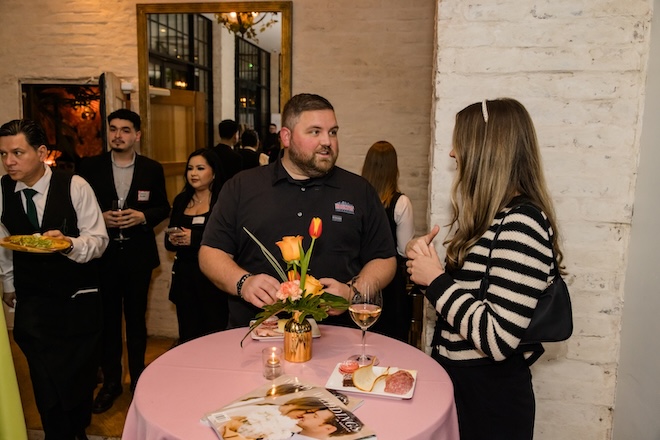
(300, 293)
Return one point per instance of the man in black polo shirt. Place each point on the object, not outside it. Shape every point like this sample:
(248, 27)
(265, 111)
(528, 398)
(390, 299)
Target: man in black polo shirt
(281, 199)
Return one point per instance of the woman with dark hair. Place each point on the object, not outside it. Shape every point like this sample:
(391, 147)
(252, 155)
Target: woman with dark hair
(499, 183)
(382, 171)
(201, 308)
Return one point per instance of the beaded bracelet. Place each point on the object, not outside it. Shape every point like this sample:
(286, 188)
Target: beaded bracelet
(239, 284)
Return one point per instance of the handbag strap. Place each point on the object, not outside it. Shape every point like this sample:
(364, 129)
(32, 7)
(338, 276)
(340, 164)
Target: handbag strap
(484, 281)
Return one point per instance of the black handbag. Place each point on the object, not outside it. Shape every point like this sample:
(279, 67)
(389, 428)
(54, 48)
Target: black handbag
(552, 320)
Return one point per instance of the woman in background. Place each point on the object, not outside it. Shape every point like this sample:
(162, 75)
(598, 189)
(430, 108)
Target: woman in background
(382, 171)
(499, 180)
(201, 308)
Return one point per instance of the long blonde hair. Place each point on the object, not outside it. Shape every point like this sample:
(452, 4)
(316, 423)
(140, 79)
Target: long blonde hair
(381, 169)
(498, 157)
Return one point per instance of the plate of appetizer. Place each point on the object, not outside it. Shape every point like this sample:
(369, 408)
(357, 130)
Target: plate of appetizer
(392, 382)
(273, 329)
(34, 243)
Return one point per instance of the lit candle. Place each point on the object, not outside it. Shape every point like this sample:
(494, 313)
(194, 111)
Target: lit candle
(271, 362)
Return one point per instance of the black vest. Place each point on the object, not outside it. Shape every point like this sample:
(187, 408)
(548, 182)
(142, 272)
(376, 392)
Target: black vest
(51, 274)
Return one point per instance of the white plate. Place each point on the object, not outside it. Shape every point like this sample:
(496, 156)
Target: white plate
(316, 332)
(336, 382)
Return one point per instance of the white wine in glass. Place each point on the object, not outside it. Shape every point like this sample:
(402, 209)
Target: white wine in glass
(118, 205)
(365, 307)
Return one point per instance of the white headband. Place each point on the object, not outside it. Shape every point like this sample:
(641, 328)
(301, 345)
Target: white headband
(484, 110)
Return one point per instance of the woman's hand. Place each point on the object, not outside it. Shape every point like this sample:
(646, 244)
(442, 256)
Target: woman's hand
(424, 266)
(420, 245)
(181, 238)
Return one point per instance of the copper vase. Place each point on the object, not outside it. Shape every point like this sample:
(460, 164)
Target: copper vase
(297, 340)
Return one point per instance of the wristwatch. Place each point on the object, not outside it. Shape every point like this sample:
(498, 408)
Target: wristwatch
(239, 284)
(68, 250)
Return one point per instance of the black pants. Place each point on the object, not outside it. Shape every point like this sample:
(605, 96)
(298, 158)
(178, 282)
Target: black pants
(124, 288)
(494, 401)
(59, 337)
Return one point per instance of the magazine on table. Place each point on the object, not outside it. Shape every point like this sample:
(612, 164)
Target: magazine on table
(289, 409)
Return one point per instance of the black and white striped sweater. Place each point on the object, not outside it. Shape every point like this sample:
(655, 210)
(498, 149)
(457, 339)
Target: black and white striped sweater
(472, 331)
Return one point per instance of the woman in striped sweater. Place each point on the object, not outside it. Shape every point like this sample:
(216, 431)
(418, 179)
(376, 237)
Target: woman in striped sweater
(477, 338)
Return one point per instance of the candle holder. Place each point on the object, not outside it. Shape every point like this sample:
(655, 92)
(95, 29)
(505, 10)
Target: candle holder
(272, 362)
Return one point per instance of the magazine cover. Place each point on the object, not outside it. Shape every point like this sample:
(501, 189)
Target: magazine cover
(287, 385)
(310, 413)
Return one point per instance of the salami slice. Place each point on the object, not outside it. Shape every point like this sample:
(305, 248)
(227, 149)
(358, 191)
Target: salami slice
(399, 383)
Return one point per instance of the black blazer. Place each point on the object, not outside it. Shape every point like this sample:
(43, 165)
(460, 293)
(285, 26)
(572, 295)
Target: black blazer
(147, 194)
(230, 161)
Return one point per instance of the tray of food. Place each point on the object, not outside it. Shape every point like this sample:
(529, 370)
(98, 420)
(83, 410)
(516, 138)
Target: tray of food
(34, 243)
(391, 382)
(273, 329)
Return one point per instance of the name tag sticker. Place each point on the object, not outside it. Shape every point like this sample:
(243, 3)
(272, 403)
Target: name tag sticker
(143, 196)
(198, 220)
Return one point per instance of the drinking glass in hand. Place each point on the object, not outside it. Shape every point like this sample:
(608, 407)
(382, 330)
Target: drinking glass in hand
(118, 205)
(365, 307)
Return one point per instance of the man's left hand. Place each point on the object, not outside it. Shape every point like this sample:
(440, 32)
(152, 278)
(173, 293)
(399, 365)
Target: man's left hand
(338, 288)
(130, 217)
(56, 233)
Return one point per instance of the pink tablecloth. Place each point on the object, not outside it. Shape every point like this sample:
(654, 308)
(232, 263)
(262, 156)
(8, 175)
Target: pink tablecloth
(179, 387)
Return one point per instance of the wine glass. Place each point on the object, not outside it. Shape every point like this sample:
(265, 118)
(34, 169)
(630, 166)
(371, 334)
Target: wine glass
(365, 307)
(118, 205)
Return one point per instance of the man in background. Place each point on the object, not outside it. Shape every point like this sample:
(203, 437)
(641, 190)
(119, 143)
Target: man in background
(249, 150)
(280, 200)
(272, 144)
(57, 323)
(230, 161)
(121, 178)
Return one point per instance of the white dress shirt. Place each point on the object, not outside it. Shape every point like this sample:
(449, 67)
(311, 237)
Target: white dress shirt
(93, 237)
(405, 224)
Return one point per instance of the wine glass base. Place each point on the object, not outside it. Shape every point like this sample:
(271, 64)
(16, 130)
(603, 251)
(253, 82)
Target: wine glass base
(367, 359)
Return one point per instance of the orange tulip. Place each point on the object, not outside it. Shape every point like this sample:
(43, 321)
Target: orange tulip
(315, 227)
(312, 286)
(290, 247)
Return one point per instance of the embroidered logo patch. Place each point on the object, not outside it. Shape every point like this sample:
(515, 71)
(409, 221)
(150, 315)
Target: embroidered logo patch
(345, 207)
(337, 218)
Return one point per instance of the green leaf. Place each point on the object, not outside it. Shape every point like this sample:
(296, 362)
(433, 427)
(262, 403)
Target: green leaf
(271, 259)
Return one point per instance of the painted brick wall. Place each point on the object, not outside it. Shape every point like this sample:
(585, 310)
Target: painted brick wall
(580, 69)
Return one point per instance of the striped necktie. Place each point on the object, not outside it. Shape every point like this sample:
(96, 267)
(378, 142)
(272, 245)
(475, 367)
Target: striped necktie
(31, 208)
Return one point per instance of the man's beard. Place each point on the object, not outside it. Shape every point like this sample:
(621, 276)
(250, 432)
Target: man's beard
(312, 166)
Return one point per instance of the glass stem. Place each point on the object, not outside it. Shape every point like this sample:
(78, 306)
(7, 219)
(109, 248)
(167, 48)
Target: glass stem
(364, 355)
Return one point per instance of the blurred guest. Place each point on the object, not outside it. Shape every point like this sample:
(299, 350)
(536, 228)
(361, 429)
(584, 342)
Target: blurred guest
(272, 144)
(252, 156)
(499, 181)
(381, 169)
(58, 308)
(230, 161)
(201, 308)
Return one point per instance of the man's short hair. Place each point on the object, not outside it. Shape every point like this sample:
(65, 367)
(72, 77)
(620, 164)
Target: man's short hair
(227, 128)
(127, 115)
(34, 133)
(249, 138)
(302, 103)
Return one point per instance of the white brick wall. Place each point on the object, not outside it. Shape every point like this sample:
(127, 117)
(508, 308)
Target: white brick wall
(579, 68)
(577, 65)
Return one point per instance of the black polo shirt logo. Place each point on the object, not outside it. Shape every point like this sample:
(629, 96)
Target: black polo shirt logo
(345, 207)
